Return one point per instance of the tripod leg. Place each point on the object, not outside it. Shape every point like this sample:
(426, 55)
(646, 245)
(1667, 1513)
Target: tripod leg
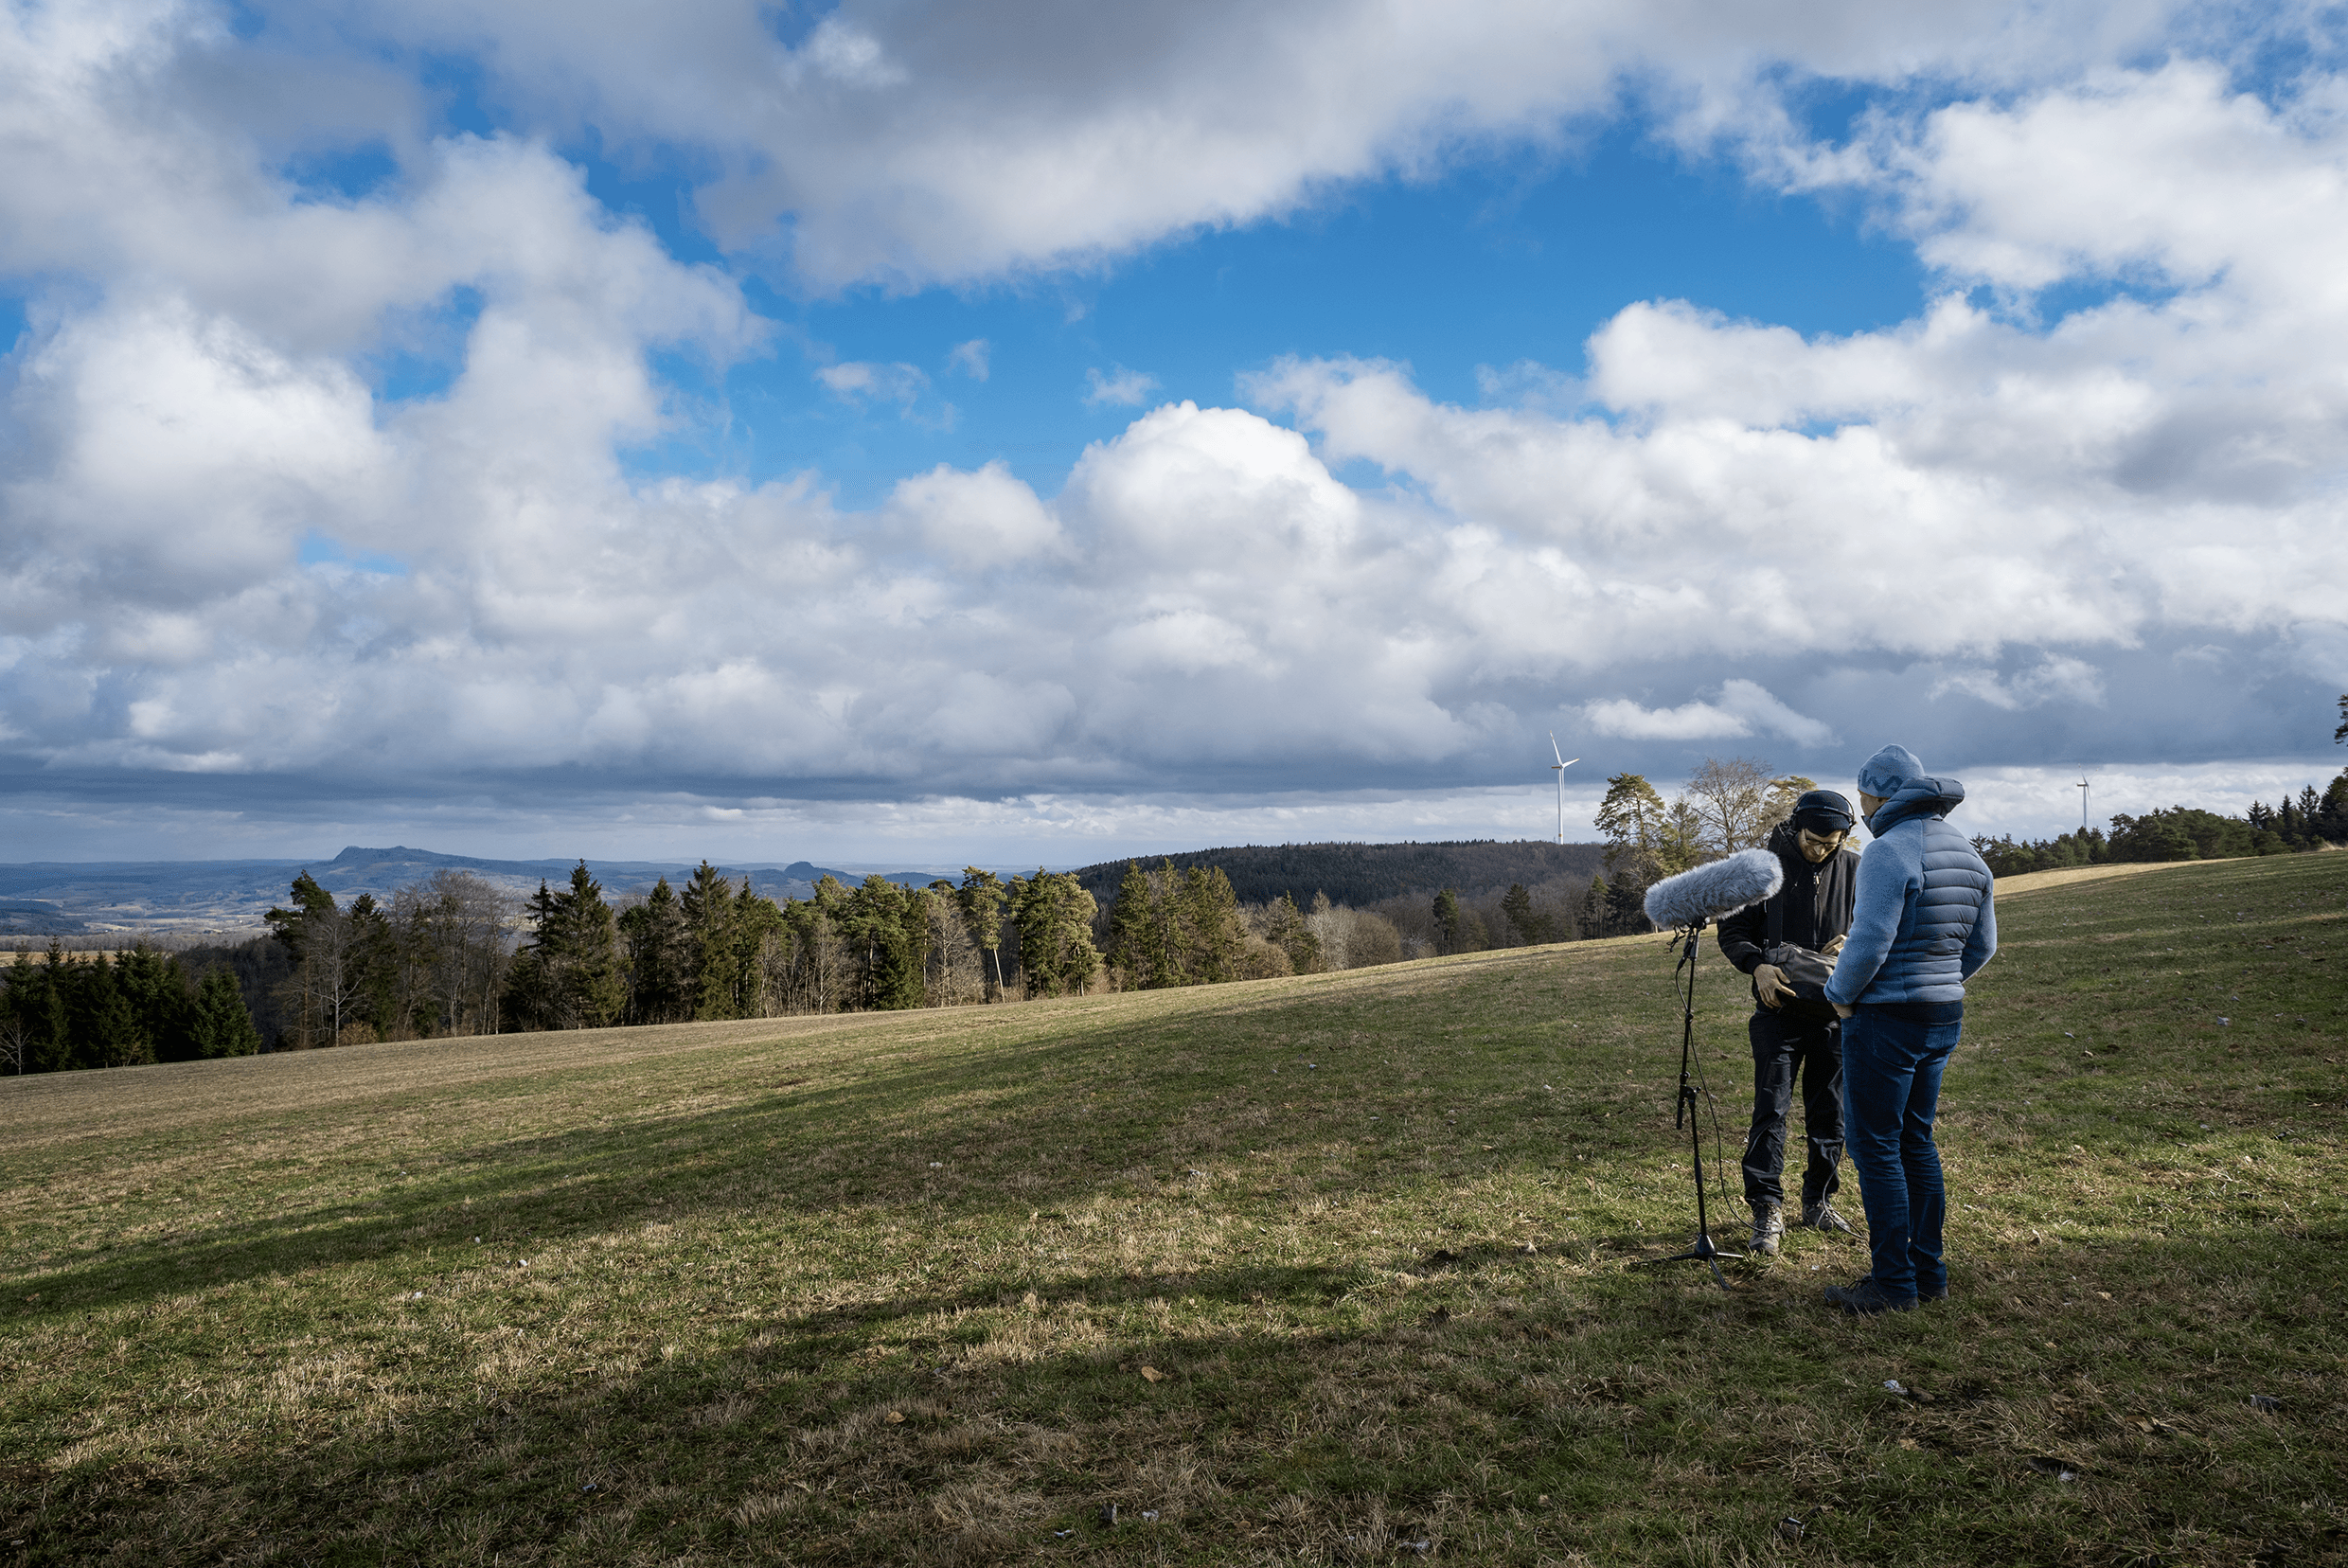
(1704, 1251)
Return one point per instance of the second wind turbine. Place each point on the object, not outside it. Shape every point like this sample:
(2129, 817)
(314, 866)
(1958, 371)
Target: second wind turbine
(1562, 763)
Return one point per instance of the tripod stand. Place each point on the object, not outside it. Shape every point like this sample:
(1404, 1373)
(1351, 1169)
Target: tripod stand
(1703, 1251)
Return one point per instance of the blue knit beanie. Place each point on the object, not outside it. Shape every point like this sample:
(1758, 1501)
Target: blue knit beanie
(1884, 773)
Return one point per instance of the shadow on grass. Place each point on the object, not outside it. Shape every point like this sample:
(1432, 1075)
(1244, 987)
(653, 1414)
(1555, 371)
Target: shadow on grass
(1115, 1104)
(927, 1429)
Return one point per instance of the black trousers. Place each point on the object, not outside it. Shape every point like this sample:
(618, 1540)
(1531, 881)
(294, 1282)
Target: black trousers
(1785, 1045)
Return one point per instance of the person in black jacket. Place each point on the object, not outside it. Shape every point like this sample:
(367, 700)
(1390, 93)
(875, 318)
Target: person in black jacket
(1784, 943)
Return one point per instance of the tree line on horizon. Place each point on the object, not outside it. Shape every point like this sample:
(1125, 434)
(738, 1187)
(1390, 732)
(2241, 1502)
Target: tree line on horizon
(2296, 825)
(452, 955)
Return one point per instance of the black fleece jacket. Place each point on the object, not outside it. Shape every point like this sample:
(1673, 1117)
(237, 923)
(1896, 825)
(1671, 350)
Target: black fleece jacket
(1812, 909)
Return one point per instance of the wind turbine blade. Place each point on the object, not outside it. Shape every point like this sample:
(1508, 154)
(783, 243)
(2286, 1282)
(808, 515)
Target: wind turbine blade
(1554, 752)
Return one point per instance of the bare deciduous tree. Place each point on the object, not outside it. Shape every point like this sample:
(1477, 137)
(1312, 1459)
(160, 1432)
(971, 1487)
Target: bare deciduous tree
(1729, 799)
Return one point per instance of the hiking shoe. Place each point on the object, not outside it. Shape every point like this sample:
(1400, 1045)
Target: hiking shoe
(1940, 1294)
(1769, 1229)
(1866, 1298)
(1822, 1216)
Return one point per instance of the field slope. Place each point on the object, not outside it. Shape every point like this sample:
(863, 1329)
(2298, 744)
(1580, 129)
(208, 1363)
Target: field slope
(1334, 1269)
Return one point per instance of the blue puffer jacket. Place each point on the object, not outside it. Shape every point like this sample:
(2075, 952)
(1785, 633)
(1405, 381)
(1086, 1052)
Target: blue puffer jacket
(1925, 919)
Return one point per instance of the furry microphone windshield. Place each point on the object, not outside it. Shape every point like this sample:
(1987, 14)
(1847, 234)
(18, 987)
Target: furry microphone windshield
(1709, 892)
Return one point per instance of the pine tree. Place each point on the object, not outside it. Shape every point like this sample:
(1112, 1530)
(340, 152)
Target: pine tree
(530, 1000)
(1054, 915)
(1532, 927)
(981, 897)
(660, 958)
(1285, 928)
(1626, 910)
(223, 1025)
(2330, 821)
(1131, 932)
(707, 903)
(887, 939)
(1451, 926)
(38, 996)
(105, 1027)
(1210, 908)
(157, 990)
(1646, 839)
(1594, 915)
(374, 959)
(592, 989)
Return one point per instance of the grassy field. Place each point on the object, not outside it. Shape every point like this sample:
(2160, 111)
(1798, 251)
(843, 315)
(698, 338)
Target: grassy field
(1335, 1269)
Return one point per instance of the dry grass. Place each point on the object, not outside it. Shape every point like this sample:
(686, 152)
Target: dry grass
(1299, 1270)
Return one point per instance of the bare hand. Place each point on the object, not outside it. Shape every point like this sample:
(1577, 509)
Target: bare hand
(1842, 1011)
(1834, 947)
(1770, 982)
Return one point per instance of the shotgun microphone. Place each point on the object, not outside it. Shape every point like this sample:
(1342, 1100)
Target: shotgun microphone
(1694, 897)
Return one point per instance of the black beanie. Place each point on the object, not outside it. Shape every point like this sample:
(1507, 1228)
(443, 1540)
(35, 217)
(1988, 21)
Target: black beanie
(1823, 811)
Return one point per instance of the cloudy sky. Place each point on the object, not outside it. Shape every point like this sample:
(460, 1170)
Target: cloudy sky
(1028, 431)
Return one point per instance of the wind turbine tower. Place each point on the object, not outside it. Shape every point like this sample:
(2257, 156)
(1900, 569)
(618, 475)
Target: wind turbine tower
(2083, 804)
(1558, 768)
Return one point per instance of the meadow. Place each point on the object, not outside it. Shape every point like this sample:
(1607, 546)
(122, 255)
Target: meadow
(1347, 1268)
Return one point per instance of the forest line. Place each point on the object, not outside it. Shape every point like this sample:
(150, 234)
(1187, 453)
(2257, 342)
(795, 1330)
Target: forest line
(454, 954)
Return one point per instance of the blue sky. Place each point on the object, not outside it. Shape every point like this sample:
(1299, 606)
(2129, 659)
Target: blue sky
(1512, 259)
(939, 431)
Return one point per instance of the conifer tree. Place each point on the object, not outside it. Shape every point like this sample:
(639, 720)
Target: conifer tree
(106, 1030)
(660, 958)
(1285, 928)
(1210, 908)
(1594, 909)
(594, 992)
(1131, 930)
(223, 1025)
(157, 987)
(707, 903)
(530, 993)
(1054, 915)
(887, 936)
(1634, 819)
(981, 897)
(1532, 927)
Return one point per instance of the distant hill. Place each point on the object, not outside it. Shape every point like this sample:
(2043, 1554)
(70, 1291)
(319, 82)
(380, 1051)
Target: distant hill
(42, 916)
(1361, 874)
(187, 896)
(192, 897)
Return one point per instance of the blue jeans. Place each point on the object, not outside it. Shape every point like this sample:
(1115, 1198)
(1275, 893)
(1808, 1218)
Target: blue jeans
(1893, 1057)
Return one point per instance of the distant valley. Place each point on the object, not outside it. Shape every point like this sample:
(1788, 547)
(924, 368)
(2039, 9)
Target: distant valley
(194, 898)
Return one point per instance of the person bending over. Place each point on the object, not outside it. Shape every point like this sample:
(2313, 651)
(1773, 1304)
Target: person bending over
(1784, 943)
(1924, 924)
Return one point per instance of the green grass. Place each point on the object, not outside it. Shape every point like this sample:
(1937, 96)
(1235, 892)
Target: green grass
(884, 1289)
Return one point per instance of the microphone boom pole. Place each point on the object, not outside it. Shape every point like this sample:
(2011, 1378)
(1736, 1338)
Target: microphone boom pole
(1686, 903)
(1702, 1250)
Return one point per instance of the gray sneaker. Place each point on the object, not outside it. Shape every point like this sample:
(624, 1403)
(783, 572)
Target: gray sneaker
(1769, 1229)
(1822, 1216)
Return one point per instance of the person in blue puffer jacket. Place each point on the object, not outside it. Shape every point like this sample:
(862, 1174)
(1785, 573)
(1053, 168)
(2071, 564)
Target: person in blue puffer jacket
(1923, 924)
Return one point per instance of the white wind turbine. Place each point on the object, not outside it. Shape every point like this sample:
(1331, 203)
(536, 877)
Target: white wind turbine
(1562, 763)
(2083, 803)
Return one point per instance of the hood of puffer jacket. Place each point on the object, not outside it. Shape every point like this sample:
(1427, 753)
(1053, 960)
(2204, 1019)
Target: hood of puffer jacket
(1918, 798)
